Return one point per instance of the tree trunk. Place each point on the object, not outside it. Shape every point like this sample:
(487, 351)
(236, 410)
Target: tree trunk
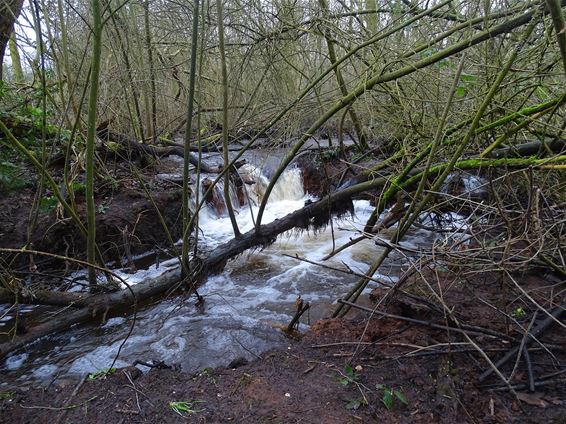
(158, 151)
(535, 147)
(16, 61)
(9, 12)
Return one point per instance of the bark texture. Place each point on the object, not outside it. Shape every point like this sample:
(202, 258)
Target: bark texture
(9, 12)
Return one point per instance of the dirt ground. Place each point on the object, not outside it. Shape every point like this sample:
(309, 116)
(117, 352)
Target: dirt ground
(342, 371)
(127, 221)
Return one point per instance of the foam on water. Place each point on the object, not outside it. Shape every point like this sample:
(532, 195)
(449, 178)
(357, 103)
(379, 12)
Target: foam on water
(287, 196)
(254, 290)
(14, 362)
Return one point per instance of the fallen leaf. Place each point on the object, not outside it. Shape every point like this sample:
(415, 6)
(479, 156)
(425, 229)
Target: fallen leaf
(353, 405)
(535, 399)
(553, 400)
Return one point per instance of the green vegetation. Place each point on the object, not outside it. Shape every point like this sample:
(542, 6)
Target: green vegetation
(185, 408)
(101, 373)
(355, 404)
(519, 312)
(11, 177)
(47, 204)
(208, 374)
(6, 395)
(349, 376)
(391, 396)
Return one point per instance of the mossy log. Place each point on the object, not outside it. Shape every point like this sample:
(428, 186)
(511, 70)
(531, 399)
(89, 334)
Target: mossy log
(125, 143)
(530, 148)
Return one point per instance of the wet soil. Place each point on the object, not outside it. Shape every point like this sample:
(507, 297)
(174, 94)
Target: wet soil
(341, 371)
(127, 221)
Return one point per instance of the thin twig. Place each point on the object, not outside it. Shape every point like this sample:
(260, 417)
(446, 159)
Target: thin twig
(475, 331)
(60, 408)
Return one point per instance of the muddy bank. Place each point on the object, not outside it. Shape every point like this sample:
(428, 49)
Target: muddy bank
(128, 223)
(302, 383)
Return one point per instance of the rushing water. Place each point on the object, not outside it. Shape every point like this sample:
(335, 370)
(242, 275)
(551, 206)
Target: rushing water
(254, 292)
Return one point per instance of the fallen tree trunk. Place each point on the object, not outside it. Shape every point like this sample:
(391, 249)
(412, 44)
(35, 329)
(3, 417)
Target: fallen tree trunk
(22, 126)
(44, 297)
(531, 148)
(98, 307)
(207, 144)
(142, 149)
(156, 151)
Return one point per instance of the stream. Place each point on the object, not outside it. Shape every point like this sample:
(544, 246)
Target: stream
(243, 306)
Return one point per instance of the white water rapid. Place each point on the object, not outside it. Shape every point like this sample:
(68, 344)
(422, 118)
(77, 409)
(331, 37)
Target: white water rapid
(255, 291)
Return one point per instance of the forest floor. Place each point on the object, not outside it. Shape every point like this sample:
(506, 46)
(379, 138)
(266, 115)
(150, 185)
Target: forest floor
(341, 371)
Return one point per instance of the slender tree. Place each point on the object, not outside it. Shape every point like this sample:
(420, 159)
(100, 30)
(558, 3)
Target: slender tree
(9, 12)
(16, 61)
(97, 27)
(187, 221)
(220, 12)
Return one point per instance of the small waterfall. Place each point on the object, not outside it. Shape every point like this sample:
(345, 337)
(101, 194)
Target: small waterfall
(287, 196)
(288, 187)
(215, 201)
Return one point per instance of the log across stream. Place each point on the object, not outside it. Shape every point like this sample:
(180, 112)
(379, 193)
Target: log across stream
(244, 303)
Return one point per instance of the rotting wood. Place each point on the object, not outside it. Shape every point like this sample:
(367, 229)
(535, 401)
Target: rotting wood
(44, 297)
(158, 151)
